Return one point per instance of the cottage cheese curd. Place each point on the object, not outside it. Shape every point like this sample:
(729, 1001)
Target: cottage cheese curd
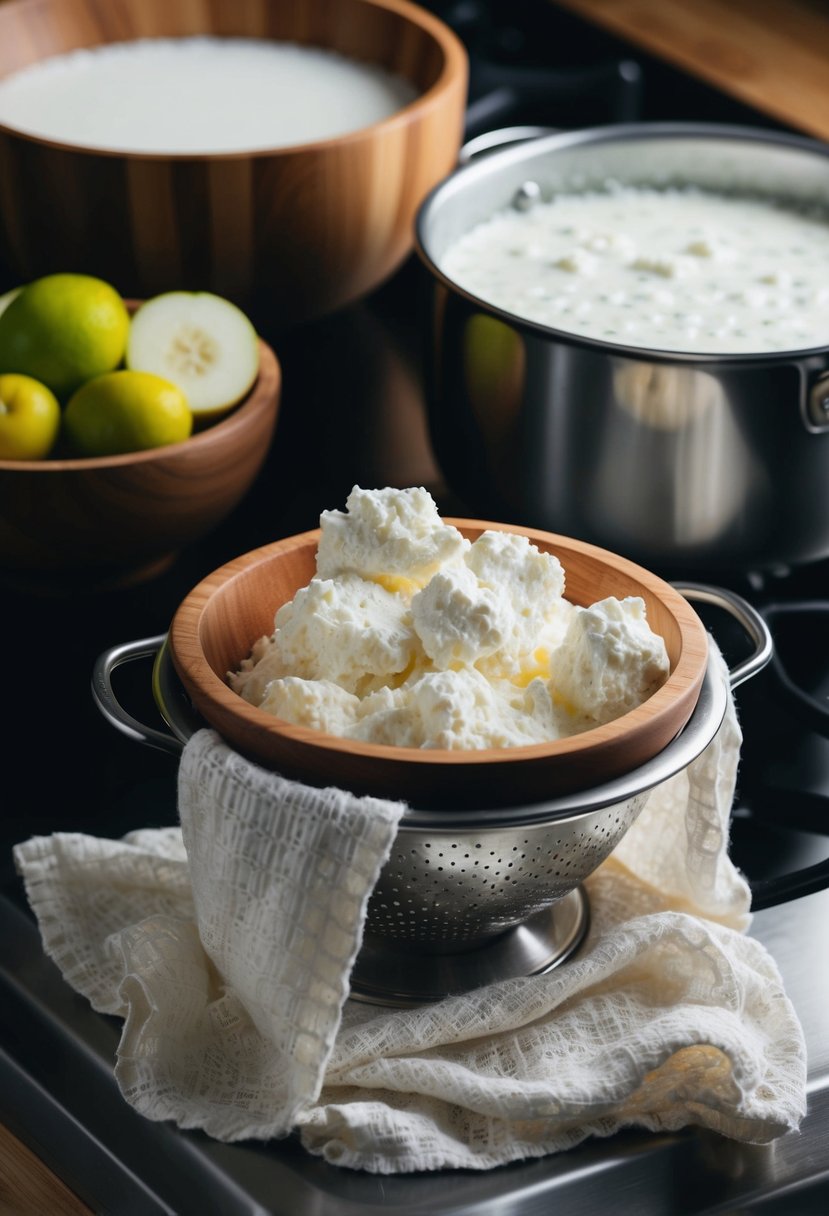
(411, 635)
(681, 269)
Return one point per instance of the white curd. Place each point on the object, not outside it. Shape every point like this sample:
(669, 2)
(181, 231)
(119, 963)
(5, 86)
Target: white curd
(411, 635)
(198, 95)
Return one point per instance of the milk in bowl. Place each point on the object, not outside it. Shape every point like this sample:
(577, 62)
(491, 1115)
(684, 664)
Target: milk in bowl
(173, 96)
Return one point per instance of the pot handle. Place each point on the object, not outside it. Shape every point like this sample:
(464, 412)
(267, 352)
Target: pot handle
(104, 696)
(499, 92)
(491, 141)
(746, 616)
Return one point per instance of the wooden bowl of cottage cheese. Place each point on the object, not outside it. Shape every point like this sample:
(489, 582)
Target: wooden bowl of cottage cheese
(451, 662)
(272, 153)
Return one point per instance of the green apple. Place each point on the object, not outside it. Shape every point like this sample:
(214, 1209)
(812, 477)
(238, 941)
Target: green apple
(62, 330)
(29, 418)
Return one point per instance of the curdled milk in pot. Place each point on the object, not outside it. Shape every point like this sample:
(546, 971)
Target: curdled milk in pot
(680, 269)
(199, 95)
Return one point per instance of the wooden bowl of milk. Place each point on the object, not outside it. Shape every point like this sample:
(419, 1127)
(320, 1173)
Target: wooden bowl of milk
(275, 153)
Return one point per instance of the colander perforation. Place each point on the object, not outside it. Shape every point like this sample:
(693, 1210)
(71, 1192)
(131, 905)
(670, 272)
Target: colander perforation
(466, 888)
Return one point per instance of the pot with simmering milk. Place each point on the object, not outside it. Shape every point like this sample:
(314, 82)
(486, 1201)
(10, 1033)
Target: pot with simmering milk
(631, 341)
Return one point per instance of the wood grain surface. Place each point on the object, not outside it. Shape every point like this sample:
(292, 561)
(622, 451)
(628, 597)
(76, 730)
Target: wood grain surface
(769, 54)
(114, 515)
(290, 233)
(218, 622)
(28, 1188)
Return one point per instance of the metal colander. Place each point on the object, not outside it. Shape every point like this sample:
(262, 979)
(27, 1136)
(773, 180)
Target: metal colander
(449, 891)
(455, 909)
(474, 896)
(470, 896)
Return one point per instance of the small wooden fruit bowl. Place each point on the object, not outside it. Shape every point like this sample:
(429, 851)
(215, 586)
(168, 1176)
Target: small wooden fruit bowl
(103, 520)
(218, 622)
(287, 233)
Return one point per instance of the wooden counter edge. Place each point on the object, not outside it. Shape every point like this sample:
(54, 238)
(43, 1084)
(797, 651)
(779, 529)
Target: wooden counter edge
(28, 1187)
(769, 55)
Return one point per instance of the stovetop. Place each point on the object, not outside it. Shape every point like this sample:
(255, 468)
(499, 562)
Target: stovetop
(353, 413)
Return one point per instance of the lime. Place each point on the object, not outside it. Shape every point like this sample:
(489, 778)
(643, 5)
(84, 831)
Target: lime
(201, 342)
(62, 330)
(29, 418)
(126, 411)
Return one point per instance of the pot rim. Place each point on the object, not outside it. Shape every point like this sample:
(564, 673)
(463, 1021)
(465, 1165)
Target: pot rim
(465, 177)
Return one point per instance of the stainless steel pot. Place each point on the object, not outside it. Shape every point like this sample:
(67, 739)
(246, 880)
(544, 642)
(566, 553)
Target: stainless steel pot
(682, 462)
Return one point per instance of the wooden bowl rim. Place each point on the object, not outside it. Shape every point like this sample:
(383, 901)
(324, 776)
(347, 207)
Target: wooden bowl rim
(263, 393)
(683, 682)
(454, 67)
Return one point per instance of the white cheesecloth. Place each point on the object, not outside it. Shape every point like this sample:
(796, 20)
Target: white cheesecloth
(227, 946)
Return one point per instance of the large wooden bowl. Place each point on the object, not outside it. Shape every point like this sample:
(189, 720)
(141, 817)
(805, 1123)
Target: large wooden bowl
(289, 234)
(218, 622)
(115, 519)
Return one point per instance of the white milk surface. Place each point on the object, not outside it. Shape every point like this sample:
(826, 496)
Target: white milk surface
(208, 95)
(680, 269)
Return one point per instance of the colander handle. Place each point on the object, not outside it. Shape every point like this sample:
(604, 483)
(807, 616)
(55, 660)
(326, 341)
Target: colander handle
(104, 696)
(746, 616)
(765, 892)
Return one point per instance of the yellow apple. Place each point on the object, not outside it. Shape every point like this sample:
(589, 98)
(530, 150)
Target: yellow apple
(29, 418)
(126, 411)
